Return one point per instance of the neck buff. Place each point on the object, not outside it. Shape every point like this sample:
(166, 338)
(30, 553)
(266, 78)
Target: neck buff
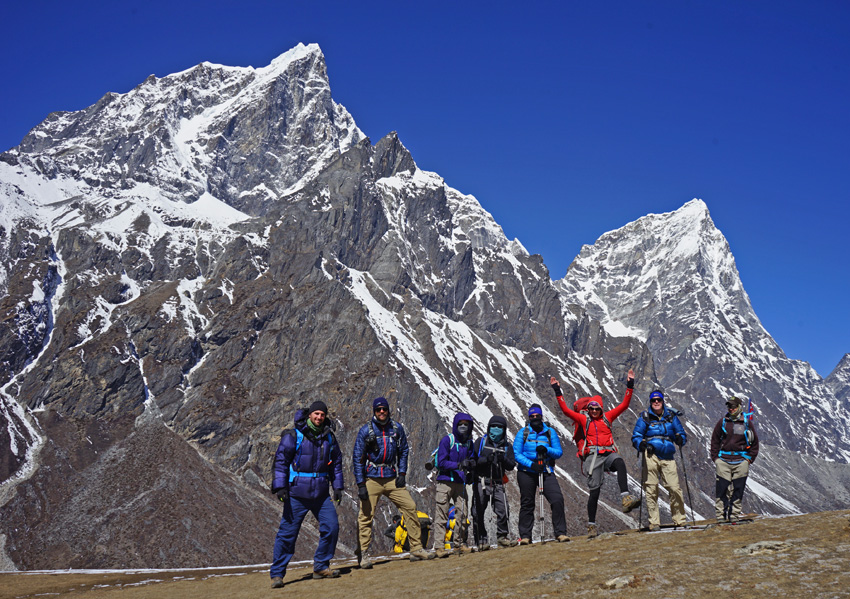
(316, 429)
(496, 433)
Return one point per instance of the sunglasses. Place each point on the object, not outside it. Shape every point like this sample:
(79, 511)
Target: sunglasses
(382, 409)
(594, 409)
(657, 400)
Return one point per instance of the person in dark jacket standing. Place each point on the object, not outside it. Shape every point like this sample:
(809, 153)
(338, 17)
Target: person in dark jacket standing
(734, 447)
(536, 448)
(380, 469)
(307, 459)
(493, 456)
(656, 434)
(454, 464)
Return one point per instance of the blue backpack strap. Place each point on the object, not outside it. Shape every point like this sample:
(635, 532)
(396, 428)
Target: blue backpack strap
(299, 440)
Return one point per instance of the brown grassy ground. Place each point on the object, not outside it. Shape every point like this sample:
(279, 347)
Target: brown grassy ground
(812, 561)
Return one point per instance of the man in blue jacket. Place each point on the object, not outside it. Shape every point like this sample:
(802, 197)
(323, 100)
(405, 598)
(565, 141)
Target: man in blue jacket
(307, 458)
(454, 464)
(380, 468)
(536, 447)
(656, 434)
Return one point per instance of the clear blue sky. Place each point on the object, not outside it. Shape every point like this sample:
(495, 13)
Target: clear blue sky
(565, 119)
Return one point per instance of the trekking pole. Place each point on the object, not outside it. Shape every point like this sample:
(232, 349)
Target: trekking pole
(540, 498)
(642, 483)
(687, 486)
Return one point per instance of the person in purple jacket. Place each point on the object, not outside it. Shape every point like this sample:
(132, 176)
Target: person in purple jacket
(454, 463)
(307, 459)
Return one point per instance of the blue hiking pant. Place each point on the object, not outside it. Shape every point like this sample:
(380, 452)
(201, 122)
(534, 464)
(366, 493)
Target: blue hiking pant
(294, 512)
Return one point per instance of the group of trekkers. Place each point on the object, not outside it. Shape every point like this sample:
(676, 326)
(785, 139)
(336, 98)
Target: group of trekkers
(308, 477)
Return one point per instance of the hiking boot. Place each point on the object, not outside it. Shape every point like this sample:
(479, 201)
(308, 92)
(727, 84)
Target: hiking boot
(654, 527)
(629, 503)
(442, 552)
(563, 538)
(277, 582)
(421, 554)
(483, 546)
(326, 574)
(366, 564)
(525, 541)
(592, 530)
(506, 542)
(464, 548)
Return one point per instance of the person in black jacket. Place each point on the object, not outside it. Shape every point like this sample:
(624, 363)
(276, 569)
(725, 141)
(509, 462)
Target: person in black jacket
(734, 447)
(494, 456)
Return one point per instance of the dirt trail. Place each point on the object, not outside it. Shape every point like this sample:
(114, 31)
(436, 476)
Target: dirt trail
(799, 556)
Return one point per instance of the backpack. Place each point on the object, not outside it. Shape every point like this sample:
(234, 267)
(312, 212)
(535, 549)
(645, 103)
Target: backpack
(372, 440)
(299, 421)
(432, 460)
(580, 432)
(748, 414)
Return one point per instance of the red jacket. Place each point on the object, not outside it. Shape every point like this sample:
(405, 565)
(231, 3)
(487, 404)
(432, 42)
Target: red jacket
(598, 433)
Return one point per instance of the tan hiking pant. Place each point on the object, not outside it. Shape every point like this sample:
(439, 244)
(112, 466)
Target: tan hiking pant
(664, 472)
(402, 500)
(448, 492)
(731, 479)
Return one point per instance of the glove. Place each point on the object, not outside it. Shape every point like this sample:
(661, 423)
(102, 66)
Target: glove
(642, 445)
(541, 451)
(557, 389)
(679, 440)
(630, 384)
(467, 464)
(362, 493)
(337, 495)
(400, 481)
(538, 465)
(282, 494)
(491, 457)
(650, 450)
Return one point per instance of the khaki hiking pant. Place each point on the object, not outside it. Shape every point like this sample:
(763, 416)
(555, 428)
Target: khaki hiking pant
(402, 500)
(448, 492)
(731, 479)
(655, 471)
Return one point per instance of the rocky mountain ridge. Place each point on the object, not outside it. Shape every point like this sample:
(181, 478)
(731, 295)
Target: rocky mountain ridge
(185, 264)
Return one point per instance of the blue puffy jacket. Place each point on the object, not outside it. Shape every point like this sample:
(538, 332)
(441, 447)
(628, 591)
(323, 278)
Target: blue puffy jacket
(307, 471)
(450, 455)
(659, 432)
(387, 458)
(525, 447)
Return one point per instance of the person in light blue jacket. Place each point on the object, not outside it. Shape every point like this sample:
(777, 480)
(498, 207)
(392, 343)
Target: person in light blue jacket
(656, 434)
(536, 447)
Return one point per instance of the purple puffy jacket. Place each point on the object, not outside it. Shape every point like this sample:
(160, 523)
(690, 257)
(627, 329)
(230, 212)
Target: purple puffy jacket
(308, 471)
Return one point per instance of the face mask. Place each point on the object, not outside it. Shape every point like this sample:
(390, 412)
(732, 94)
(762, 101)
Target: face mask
(537, 424)
(497, 433)
(462, 428)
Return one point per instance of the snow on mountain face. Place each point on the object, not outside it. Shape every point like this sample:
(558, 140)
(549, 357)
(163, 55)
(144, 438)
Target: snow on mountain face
(839, 380)
(195, 132)
(670, 280)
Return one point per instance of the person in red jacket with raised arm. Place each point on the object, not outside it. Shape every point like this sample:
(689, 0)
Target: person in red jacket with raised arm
(595, 440)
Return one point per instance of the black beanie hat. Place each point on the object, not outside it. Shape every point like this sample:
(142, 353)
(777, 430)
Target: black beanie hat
(318, 406)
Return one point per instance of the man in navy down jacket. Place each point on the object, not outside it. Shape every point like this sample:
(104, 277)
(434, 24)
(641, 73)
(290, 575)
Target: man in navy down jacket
(307, 459)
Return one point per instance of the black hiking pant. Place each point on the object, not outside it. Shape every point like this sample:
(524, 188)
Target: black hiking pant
(527, 482)
(483, 491)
